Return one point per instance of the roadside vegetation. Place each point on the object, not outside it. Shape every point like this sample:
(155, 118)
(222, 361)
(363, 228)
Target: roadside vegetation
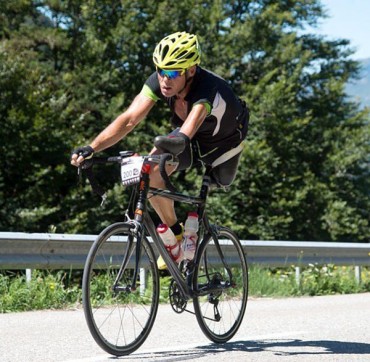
(62, 289)
(68, 68)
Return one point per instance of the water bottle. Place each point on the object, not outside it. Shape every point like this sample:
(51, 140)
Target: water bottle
(170, 242)
(190, 235)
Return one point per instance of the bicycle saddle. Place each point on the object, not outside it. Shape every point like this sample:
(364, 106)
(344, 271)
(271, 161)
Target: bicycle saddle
(170, 144)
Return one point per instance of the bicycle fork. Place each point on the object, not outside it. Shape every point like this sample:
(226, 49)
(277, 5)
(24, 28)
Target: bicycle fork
(139, 218)
(136, 231)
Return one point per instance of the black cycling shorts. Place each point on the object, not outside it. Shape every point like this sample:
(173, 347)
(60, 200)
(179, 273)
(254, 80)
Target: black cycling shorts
(224, 162)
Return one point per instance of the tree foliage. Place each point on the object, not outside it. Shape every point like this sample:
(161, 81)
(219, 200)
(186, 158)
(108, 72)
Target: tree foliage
(68, 68)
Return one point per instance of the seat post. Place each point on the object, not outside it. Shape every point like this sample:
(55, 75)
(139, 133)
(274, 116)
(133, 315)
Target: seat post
(206, 182)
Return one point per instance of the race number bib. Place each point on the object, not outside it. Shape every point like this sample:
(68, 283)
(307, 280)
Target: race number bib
(131, 170)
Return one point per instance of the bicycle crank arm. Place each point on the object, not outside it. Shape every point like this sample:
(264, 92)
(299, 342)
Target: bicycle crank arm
(209, 289)
(127, 289)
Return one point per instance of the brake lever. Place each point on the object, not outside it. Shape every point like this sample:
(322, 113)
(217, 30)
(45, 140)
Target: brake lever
(79, 173)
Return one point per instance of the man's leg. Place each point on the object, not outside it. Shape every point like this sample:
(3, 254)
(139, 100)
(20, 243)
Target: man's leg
(164, 207)
(224, 173)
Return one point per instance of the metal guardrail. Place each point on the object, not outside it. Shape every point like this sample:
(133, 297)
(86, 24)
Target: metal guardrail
(65, 251)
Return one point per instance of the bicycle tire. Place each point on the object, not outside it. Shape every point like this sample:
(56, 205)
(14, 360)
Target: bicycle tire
(119, 321)
(220, 313)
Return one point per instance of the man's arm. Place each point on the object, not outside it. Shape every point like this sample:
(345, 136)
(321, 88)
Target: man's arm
(124, 123)
(194, 120)
(120, 127)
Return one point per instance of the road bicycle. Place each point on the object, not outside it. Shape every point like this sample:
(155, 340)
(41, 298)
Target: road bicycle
(121, 282)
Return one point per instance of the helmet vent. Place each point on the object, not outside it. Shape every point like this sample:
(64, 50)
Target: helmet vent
(165, 51)
(182, 54)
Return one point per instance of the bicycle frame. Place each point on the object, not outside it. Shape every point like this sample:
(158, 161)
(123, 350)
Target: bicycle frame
(143, 218)
(119, 327)
(143, 221)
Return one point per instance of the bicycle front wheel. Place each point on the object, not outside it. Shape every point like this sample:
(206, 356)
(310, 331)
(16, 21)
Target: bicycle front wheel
(221, 280)
(120, 311)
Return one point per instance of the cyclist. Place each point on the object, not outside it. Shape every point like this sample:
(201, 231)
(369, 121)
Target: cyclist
(206, 113)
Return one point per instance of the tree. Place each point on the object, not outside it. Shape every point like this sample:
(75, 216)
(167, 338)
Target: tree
(67, 68)
(302, 119)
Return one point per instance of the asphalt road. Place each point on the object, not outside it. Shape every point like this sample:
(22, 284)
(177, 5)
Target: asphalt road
(329, 328)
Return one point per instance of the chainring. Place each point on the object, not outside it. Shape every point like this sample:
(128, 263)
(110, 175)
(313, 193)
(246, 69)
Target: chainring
(178, 303)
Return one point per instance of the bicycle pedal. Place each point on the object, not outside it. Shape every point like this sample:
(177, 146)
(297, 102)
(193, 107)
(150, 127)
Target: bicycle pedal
(164, 273)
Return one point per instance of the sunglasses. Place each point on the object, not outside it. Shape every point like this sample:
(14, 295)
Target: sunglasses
(170, 73)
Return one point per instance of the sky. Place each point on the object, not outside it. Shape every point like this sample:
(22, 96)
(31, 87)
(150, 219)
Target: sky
(348, 19)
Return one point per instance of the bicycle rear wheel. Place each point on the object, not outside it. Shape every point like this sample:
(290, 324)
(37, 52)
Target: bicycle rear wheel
(119, 314)
(221, 279)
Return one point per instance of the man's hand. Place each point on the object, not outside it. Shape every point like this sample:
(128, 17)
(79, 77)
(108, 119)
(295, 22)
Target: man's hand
(173, 143)
(185, 137)
(80, 154)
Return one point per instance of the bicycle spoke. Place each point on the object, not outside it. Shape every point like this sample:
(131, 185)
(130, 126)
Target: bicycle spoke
(119, 317)
(222, 281)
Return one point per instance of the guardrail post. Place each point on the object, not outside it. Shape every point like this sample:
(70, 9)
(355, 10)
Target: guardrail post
(298, 275)
(358, 274)
(28, 275)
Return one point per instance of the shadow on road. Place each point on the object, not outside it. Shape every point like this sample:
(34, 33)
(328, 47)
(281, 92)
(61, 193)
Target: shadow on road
(294, 347)
(281, 347)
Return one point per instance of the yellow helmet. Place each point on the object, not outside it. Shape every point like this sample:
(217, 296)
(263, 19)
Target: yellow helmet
(177, 51)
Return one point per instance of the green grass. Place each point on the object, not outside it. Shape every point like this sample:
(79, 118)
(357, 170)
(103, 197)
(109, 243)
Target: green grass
(62, 289)
(46, 290)
(314, 280)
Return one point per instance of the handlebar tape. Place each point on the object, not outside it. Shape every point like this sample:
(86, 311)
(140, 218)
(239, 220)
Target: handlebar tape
(162, 169)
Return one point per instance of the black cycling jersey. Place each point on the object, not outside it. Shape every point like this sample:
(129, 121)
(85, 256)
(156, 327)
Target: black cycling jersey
(226, 124)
